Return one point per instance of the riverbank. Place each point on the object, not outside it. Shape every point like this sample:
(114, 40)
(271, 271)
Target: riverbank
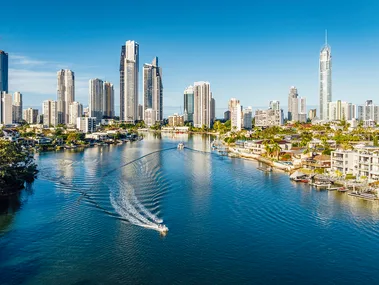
(259, 158)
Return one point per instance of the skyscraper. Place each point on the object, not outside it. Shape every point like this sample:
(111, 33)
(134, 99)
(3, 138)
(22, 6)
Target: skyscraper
(213, 110)
(96, 99)
(50, 113)
(302, 116)
(17, 107)
(65, 94)
(248, 117)
(6, 108)
(293, 104)
(235, 114)
(153, 89)
(3, 72)
(202, 104)
(129, 63)
(108, 103)
(325, 79)
(30, 115)
(188, 104)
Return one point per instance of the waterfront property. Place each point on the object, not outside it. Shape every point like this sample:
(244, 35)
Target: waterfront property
(224, 215)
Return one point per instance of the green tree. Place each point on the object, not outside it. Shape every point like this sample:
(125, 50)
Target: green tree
(16, 167)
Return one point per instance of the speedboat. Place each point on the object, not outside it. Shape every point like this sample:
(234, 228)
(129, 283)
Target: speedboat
(163, 229)
(181, 145)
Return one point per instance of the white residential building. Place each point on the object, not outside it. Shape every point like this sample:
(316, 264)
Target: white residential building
(76, 111)
(96, 99)
(325, 73)
(129, 69)
(362, 162)
(267, 118)
(340, 110)
(342, 161)
(274, 105)
(293, 108)
(202, 104)
(50, 113)
(235, 114)
(30, 115)
(150, 117)
(248, 118)
(65, 94)
(86, 124)
(6, 109)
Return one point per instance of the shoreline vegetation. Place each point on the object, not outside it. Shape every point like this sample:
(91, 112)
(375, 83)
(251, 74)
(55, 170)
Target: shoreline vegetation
(304, 147)
(17, 167)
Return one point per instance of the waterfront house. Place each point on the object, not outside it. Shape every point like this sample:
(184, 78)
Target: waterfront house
(363, 162)
(318, 162)
(343, 161)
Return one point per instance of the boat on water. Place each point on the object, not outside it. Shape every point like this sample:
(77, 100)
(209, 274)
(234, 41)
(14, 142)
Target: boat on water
(181, 145)
(162, 229)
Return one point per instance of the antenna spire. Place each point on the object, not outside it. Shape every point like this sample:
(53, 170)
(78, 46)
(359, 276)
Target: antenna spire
(326, 37)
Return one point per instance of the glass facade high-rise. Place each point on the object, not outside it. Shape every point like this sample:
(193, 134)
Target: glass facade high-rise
(108, 103)
(129, 69)
(325, 70)
(96, 99)
(17, 107)
(153, 89)
(3, 72)
(188, 104)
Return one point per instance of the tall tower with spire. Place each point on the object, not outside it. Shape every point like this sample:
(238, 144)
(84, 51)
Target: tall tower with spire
(325, 76)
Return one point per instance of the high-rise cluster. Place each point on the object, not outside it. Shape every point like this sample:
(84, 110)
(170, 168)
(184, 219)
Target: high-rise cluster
(293, 106)
(151, 111)
(199, 105)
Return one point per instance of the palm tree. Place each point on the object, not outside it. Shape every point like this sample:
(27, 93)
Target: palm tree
(276, 149)
(268, 149)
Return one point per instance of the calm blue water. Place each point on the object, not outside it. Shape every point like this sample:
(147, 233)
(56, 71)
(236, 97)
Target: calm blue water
(89, 219)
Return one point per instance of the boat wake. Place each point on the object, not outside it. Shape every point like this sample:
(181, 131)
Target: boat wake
(126, 204)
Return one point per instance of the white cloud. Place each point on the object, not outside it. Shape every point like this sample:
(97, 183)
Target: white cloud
(31, 81)
(25, 61)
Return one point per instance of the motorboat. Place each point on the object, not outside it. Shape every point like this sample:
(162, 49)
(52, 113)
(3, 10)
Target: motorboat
(163, 229)
(181, 145)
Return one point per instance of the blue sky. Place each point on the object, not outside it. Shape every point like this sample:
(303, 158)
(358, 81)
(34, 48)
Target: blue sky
(251, 50)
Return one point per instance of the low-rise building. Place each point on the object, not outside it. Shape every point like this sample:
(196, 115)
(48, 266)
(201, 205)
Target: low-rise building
(318, 162)
(86, 124)
(268, 118)
(150, 117)
(343, 161)
(176, 120)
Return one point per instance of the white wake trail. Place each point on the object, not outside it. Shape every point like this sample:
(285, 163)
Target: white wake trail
(131, 209)
(124, 213)
(143, 209)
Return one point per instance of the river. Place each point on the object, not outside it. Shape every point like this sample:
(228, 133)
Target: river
(91, 218)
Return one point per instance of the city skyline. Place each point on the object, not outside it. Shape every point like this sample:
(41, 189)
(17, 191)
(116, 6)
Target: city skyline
(285, 50)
